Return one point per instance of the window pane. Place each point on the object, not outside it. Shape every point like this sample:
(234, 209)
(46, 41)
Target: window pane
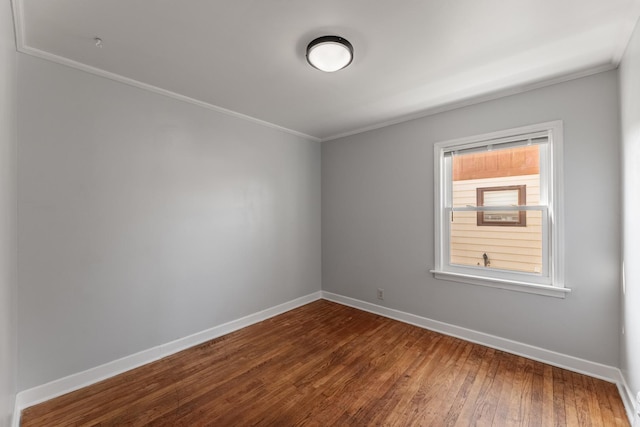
(510, 195)
(506, 248)
(497, 168)
(500, 217)
(507, 197)
(505, 240)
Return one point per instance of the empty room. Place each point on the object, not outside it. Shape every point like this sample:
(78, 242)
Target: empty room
(394, 213)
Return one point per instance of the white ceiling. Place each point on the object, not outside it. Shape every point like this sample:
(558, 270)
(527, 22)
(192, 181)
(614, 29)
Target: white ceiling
(412, 57)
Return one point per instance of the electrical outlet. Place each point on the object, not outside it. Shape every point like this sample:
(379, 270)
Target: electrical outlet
(380, 293)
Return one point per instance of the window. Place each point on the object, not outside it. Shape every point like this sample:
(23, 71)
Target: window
(498, 217)
(510, 195)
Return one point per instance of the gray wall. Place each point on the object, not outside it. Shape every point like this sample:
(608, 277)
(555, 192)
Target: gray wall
(144, 219)
(377, 221)
(8, 204)
(630, 112)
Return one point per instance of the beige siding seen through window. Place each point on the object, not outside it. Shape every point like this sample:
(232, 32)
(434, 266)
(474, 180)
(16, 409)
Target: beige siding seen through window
(509, 248)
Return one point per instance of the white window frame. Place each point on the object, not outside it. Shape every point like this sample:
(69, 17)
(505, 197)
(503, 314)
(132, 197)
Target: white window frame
(550, 281)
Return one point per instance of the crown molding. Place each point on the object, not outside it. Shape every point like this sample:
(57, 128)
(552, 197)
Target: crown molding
(472, 100)
(22, 47)
(429, 111)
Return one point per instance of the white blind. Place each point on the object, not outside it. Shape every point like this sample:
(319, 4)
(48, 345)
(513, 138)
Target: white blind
(499, 144)
(501, 198)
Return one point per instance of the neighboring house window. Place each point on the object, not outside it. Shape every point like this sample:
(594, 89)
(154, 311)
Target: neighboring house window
(498, 212)
(508, 195)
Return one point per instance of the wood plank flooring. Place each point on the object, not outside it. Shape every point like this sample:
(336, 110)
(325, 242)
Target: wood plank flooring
(325, 364)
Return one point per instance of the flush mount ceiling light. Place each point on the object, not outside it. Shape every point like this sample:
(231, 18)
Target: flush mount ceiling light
(329, 53)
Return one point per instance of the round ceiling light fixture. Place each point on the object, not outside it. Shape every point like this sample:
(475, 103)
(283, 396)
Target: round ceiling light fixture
(329, 53)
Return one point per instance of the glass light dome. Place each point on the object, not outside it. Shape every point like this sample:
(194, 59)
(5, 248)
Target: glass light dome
(329, 53)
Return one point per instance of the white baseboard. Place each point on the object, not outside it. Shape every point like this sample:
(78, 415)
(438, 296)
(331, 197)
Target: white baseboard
(55, 388)
(41, 393)
(15, 416)
(571, 363)
(630, 403)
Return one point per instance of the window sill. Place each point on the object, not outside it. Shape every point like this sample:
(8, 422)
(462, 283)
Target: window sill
(512, 285)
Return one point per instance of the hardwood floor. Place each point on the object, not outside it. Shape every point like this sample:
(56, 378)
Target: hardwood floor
(326, 364)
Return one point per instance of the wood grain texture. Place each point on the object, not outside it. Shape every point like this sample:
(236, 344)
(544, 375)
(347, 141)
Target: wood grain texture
(325, 364)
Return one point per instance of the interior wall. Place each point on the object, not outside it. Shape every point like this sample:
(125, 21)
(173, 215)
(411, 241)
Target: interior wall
(8, 214)
(144, 219)
(630, 119)
(377, 221)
